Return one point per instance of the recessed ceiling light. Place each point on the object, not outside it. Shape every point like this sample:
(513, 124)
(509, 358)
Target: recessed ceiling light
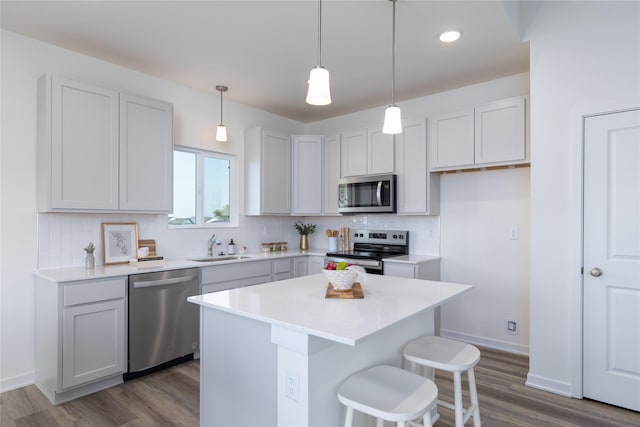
(450, 36)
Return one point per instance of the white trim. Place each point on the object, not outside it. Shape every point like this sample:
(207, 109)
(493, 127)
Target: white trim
(546, 384)
(575, 276)
(17, 382)
(486, 342)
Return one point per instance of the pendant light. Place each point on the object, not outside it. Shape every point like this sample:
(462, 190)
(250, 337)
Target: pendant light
(392, 120)
(221, 132)
(319, 92)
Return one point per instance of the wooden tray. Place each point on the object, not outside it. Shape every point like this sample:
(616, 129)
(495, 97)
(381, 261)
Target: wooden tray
(151, 244)
(354, 293)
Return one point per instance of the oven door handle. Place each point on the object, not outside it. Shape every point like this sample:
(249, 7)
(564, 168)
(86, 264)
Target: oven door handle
(379, 193)
(361, 262)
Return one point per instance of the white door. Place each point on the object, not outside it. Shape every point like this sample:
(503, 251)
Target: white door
(611, 343)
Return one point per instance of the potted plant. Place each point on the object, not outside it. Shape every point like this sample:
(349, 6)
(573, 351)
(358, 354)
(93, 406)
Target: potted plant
(304, 230)
(89, 260)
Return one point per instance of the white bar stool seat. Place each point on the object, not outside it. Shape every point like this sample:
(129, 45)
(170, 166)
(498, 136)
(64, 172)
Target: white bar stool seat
(452, 356)
(389, 393)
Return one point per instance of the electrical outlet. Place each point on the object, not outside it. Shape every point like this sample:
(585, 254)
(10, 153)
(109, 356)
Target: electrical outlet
(511, 327)
(514, 233)
(292, 386)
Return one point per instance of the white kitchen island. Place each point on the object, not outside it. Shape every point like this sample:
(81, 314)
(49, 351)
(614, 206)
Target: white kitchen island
(275, 354)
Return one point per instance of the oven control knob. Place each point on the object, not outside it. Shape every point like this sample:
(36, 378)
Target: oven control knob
(395, 236)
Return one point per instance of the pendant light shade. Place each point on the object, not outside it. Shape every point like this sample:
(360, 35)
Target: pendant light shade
(319, 92)
(392, 118)
(221, 132)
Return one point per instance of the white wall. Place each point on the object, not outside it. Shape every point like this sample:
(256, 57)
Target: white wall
(584, 55)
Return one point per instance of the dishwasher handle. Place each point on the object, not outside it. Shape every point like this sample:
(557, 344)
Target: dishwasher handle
(162, 282)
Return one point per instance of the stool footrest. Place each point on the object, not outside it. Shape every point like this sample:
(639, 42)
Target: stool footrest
(467, 413)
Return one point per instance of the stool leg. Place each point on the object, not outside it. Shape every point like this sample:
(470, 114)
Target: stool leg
(457, 395)
(379, 422)
(474, 397)
(402, 424)
(426, 419)
(348, 419)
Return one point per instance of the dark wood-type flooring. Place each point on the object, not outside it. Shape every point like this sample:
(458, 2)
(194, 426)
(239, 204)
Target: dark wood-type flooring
(170, 398)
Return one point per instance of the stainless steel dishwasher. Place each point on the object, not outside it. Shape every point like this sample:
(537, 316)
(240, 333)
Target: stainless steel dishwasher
(164, 328)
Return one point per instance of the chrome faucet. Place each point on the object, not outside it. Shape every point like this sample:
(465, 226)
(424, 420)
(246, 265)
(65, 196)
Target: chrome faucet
(212, 241)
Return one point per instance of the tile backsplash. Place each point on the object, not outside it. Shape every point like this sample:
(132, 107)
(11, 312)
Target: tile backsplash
(62, 237)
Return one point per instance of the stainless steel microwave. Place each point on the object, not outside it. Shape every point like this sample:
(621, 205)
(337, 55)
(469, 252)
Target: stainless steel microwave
(367, 194)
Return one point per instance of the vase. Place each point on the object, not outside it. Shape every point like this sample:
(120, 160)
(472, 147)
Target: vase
(304, 242)
(89, 262)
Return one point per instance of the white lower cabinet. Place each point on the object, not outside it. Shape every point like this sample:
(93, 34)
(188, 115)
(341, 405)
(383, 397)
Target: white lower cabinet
(300, 266)
(282, 269)
(426, 270)
(80, 330)
(316, 264)
(92, 342)
(230, 276)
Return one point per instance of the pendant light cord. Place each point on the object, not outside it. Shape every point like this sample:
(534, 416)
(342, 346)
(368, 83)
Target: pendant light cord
(393, 55)
(221, 92)
(320, 33)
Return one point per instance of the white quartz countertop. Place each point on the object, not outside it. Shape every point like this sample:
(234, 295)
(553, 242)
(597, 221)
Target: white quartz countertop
(412, 259)
(300, 304)
(101, 271)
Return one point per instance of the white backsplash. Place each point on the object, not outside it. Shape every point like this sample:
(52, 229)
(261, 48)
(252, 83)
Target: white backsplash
(62, 237)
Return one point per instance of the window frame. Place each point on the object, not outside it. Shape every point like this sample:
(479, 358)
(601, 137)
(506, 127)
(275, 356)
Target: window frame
(233, 189)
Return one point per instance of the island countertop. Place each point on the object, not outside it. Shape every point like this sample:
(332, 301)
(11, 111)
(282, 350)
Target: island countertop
(299, 304)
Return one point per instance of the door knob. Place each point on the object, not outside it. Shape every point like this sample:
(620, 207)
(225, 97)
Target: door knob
(596, 272)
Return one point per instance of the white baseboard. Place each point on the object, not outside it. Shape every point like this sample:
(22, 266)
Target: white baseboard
(16, 382)
(485, 342)
(546, 384)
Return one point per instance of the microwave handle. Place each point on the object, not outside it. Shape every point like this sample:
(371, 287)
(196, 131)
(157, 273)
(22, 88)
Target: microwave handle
(379, 193)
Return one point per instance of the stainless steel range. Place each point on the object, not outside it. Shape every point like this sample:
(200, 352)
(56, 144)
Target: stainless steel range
(370, 247)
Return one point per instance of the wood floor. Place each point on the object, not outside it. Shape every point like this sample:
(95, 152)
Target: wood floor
(170, 398)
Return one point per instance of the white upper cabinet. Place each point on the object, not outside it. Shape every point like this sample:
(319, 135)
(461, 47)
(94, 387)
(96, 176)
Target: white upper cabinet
(367, 152)
(77, 146)
(331, 174)
(380, 152)
(101, 151)
(146, 154)
(267, 157)
(418, 190)
(307, 173)
(354, 153)
(492, 134)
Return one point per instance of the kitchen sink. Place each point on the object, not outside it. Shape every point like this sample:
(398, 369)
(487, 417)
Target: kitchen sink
(218, 258)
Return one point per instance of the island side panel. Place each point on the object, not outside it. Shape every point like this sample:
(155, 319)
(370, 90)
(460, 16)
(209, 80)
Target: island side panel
(237, 371)
(322, 366)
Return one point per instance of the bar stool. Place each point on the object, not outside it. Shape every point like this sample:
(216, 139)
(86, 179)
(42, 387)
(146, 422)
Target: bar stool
(452, 356)
(389, 393)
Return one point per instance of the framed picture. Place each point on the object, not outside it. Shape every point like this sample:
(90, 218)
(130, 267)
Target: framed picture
(119, 242)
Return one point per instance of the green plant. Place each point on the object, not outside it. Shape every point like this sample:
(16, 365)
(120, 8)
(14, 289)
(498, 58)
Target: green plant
(305, 229)
(90, 248)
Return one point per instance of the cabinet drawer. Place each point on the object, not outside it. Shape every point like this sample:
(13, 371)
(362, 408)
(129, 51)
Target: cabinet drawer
(282, 266)
(94, 290)
(223, 273)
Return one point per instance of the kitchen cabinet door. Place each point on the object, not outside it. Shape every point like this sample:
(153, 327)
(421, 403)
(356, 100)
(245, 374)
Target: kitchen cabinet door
(452, 140)
(380, 152)
(267, 172)
(146, 154)
(300, 266)
(354, 153)
(500, 131)
(316, 264)
(93, 340)
(418, 189)
(77, 146)
(331, 174)
(307, 173)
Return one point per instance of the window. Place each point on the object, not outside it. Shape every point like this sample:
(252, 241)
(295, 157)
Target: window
(203, 189)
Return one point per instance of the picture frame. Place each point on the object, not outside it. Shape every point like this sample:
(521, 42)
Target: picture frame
(119, 242)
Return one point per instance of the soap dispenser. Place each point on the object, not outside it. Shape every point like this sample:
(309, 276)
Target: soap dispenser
(231, 249)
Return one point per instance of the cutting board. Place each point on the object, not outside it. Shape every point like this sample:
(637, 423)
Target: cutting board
(151, 244)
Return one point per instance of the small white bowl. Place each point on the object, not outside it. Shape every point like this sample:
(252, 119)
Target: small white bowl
(342, 280)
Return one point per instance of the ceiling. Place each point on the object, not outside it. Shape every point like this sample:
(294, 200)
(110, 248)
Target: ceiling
(264, 50)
